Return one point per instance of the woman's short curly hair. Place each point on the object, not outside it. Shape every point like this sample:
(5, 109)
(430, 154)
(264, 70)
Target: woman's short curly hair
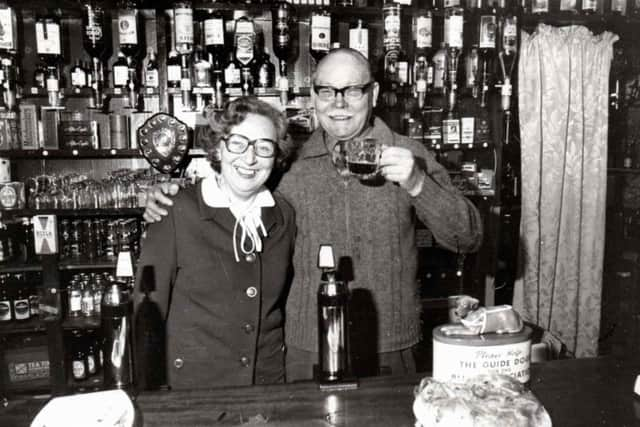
(235, 112)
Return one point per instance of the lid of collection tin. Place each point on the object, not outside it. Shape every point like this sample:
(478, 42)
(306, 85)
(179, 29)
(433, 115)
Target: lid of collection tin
(483, 339)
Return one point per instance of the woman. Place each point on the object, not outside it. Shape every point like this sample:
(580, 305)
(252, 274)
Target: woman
(221, 260)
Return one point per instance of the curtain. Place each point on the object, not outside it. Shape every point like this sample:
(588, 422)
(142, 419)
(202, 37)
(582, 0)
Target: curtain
(563, 76)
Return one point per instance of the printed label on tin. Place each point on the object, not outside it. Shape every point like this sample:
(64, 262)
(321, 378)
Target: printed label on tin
(457, 363)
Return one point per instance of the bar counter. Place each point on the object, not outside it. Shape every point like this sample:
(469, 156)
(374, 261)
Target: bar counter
(577, 392)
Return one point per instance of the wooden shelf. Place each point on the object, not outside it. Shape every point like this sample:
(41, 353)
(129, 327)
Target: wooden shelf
(86, 264)
(22, 326)
(74, 213)
(79, 153)
(83, 323)
(19, 267)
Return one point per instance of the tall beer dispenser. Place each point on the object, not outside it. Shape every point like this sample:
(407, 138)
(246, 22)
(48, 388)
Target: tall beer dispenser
(117, 310)
(333, 296)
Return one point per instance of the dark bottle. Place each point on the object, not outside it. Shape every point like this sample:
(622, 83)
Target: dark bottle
(320, 34)
(117, 309)
(40, 76)
(332, 320)
(95, 29)
(21, 300)
(29, 249)
(281, 18)
(130, 31)
(247, 83)
(174, 74)
(78, 357)
(214, 34)
(5, 300)
(265, 72)
(48, 39)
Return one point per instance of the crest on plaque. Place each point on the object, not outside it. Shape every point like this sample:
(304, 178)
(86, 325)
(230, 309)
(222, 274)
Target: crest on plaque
(164, 142)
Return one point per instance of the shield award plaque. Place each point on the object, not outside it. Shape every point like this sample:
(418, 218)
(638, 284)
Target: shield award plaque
(164, 142)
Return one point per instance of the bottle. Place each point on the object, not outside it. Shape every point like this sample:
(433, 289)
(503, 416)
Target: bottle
(9, 33)
(5, 301)
(87, 300)
(332, 320)
(75, 298)
(183, 19)
(95, 31)
(117, 308)
(218, 81)
(48, 42)
(130, 32)
(392, 26)
(120, 71)
(40, 76)
(320, 34)
(78, 357)
(174, 72)
(359, 37)
(78, 77)
(21, 301)
(151, 77)
(265, 72)
(232, 72)
(281, 30)
(214, 34)
(53, 86)
(244, 42)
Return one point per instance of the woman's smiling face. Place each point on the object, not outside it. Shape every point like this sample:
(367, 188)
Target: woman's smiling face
(244, 174)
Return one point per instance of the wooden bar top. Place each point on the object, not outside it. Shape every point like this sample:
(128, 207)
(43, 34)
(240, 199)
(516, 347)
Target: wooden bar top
(576, 392)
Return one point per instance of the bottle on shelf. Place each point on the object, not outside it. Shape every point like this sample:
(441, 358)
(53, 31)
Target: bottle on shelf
(423, 45)
(8, 50)
(79, 77)
(96, 30)
(244, 50)
(281, 16)
(183, 35)
(74, 294)
(320, 33)
(120, 72)
(6, 312)
(79, 369)
(265, 72)
(130, 29)
(453, 39)
(151, 77)
(174, 72)
(49, 49)
(214, 44)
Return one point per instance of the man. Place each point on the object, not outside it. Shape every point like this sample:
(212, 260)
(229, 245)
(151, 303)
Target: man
(371, 225)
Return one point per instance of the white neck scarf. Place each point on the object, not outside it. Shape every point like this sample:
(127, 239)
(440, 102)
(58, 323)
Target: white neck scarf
(248, 215)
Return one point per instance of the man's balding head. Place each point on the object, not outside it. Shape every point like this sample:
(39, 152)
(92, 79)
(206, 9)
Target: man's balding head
(344, 116)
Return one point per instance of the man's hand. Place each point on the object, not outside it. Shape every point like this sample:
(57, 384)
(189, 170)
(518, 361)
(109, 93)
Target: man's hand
(156, 195)
(397, 164)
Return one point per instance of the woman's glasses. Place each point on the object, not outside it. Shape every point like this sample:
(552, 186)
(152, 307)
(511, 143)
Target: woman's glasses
(238, 144)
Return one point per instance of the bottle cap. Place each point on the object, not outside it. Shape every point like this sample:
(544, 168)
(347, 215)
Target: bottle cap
(325, 257)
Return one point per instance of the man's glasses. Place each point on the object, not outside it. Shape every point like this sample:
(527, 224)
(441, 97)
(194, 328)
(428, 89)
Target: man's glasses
(238, 144)
(350, 93)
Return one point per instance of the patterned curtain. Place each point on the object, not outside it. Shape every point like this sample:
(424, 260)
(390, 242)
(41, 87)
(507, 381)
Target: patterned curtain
(563, 77)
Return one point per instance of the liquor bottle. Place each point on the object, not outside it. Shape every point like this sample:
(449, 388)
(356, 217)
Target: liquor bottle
(453, 38)
(320, 36)
(151, 77)
(130, 32)
(281, 18)
(214, 34)
(359, 36)
(265, 72)
(95, 31)
(174, 74)
(78, 357)
(218, 81)
(183, 35)
(487, 35)
(48, 43)
(53, 86)
(589, 7)
(201, 68)
(232, 72)
(392, 30)
(183, 27)
(78, 77)
(244, 41)
(471, 68)
(619, 7)
(9, 33)
(120, 71)
(423, 46)
(6, 313)
(332, 320)
(440, 68)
